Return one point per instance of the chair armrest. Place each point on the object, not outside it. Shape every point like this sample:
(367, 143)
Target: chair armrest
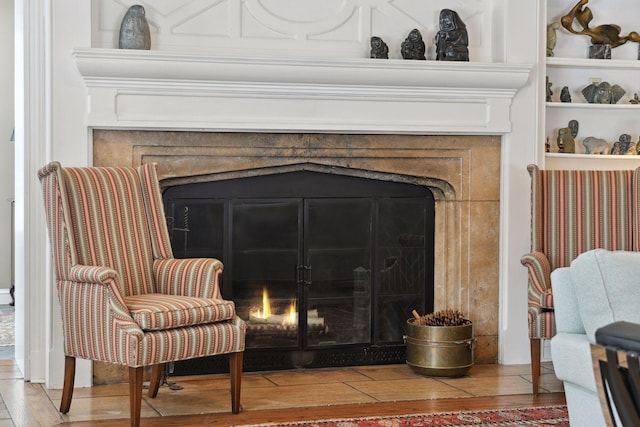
(194, 277)
(539, 270)
(105, 282)
(95, 319)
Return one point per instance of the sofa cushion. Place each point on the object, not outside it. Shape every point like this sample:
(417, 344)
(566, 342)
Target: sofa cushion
(607, 286)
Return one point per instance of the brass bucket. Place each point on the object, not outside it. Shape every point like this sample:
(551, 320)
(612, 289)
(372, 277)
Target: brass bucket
(439, 351)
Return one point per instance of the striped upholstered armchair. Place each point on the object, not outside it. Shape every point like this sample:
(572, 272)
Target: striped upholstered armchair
(572, 211)
(124, 298)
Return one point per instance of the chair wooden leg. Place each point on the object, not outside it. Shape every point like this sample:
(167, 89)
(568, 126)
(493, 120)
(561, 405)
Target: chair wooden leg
(135, 394)
(69, 379)
(535, 363)
(235, 369)
(156, 376)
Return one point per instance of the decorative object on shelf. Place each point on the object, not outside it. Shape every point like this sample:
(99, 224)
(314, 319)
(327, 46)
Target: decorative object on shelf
(595, 145)
(379, 48)
(413, 47)
(566, 142)
(452, 40)
(547, 146)
(608, 34)
(573, 126)
(134, 30)
(440, 344)
(624, 145)
(600, 51)
(565, 95)
(549, 91)
(603, 93)
(552, 37)
(635, 100)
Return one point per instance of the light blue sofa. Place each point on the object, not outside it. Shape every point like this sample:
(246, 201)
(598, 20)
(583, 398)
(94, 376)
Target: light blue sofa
(598, 288)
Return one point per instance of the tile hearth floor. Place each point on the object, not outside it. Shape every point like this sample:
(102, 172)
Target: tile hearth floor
(278, 389)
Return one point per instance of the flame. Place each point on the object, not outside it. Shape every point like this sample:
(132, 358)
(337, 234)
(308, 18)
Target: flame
(291, 318)
(265, 313)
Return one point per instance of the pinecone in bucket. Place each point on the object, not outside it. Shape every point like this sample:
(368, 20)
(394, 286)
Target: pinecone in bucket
(441, 318)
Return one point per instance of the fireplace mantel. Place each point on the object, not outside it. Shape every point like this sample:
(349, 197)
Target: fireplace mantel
(130, 89)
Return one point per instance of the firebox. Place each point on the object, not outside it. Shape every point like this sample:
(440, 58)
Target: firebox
(325, 268)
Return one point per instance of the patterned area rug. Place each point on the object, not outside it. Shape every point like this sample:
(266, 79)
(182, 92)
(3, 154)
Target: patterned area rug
(7, 329)
(544, 416)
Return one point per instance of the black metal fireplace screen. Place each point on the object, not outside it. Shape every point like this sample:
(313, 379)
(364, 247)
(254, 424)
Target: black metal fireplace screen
(324, 268)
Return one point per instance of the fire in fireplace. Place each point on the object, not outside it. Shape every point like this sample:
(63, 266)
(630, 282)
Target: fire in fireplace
(324, 267)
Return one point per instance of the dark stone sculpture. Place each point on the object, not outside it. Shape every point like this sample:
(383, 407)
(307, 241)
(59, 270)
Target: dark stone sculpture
(413, 47)
(600, 51)
(603, 93)
(134, 30)
(452, 40)
(549, 97)
(624, 145)
(565, 95)
(379, 48)
(573, 128)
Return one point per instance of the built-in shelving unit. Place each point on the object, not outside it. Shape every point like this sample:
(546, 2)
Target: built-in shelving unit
(571, 67)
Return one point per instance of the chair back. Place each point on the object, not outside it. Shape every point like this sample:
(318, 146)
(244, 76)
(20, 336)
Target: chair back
(111, 217)
(573, 211)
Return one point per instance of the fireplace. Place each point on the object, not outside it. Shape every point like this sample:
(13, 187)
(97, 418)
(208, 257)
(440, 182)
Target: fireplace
(323, 264)
(461, 172)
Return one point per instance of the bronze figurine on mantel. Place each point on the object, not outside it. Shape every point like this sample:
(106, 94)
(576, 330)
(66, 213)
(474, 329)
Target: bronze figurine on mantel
(603, 37)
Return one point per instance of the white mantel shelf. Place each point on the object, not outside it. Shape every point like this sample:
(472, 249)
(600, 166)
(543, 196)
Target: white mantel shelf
(191, 91)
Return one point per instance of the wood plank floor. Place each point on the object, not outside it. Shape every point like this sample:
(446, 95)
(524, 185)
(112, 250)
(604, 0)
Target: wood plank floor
(279, 396)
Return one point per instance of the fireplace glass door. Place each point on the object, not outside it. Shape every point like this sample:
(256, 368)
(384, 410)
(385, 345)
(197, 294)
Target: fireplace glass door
(324, 269)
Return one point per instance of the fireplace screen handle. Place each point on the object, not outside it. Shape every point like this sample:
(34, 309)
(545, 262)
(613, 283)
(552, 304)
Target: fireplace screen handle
(303, 274)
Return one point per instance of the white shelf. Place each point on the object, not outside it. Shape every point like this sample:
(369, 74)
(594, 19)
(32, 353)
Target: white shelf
(602, 64)
(587, 106)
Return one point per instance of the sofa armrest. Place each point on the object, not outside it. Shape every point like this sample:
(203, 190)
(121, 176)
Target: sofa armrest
(567, 312)
(571, 355)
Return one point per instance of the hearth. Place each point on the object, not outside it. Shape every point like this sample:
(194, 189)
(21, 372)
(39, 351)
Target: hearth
(324, 267)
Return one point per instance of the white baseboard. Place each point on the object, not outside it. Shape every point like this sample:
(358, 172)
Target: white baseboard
(5, 297)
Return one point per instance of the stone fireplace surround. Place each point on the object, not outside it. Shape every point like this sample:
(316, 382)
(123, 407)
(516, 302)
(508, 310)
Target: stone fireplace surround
(463, 173)
(438, 124)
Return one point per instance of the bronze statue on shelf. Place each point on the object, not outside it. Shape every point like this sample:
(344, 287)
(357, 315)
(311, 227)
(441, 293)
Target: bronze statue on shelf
(379, 48)
(607, 34)
(452, 40)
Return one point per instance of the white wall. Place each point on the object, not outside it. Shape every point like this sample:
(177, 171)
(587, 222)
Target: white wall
(56, 126)
(6, 147)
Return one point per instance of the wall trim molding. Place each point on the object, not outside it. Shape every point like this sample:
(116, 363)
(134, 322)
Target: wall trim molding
(166, 90)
